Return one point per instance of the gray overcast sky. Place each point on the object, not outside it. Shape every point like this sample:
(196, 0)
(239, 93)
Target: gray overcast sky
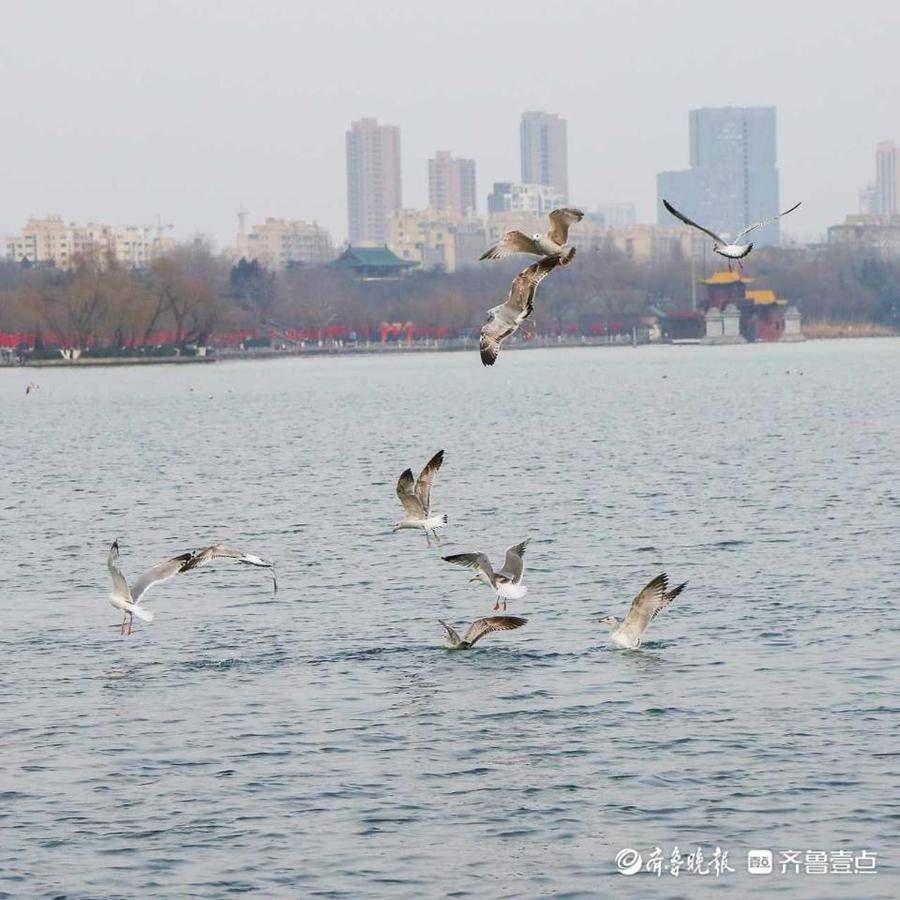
(116, 111)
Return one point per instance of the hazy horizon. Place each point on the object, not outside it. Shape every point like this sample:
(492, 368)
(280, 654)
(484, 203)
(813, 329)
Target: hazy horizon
(190, 112)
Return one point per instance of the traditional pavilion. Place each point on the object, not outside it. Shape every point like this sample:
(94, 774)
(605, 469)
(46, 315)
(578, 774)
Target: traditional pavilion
(370, 263)
(735, 313)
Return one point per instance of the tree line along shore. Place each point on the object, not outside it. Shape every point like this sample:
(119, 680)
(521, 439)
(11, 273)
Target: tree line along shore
(193, 297)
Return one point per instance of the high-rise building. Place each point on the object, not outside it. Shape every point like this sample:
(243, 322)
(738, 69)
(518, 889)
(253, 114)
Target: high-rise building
(451, 185)
(373, 180)
(542, 138)
(733, 178)
(887, 176)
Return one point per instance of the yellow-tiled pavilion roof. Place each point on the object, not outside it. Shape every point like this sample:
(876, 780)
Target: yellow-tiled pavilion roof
(764, 297)
(725, 278)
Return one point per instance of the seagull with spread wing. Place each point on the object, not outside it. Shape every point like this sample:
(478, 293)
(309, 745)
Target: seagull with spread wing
(415, 497)
(505, 320)
(648, 604)
(220, 551)
(507, 582)
(478, 629)
(128, 599)
(733, 250)
(553, 243)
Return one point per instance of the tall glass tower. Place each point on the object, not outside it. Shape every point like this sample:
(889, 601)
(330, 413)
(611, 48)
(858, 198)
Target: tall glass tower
(733, 178)
(542, 138)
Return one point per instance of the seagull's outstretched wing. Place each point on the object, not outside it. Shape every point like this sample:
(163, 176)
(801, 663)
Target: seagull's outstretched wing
(162, 571)
(407, 496)
(756, 225)
(512, 242)
(452, 634)
(480, 627)
(219, 551)
(477, 561)
(514, 564)
(560, 220)
(500, 325)
(687, 221)
(647, 605)
(524, 285)
(670, 596)
(120, 585)
(423, 483)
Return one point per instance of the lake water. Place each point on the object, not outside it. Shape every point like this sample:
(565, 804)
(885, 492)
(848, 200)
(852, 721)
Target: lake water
(324, 743)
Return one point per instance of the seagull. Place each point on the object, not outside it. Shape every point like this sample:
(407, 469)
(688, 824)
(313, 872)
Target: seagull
(507, 583)
(504, 320)
(31, 386)
(415, 496)
(128, 598)
(220, 551)
(553, 243)
(648, 604)
(478, 629)
(734, 250)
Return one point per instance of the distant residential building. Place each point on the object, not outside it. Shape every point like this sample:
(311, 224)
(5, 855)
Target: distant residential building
(51, 241)
(641, 243)
(534, 199)
(498, 223)
(451, 185)
(871, 234)
(615, 215)
(887, 177)
(47, 240)
(373, 180)
(868, 200)
(435, 240)
(733, 177)
(542, 140)
(278, 243)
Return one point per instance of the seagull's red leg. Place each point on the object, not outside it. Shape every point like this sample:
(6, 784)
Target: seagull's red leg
(130, 621)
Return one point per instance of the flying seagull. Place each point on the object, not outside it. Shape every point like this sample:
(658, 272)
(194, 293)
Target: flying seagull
(220, 551)
(553, 243)
(478, 629)
(504, 320)
(415, 496)
(507, 583)
(734, 250)
(648, 604)
(128, 598)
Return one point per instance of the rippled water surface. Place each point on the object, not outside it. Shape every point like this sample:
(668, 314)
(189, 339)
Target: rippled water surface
(324, 743)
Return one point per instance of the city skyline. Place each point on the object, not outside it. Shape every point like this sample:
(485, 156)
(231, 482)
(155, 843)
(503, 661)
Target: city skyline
(230, 115)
